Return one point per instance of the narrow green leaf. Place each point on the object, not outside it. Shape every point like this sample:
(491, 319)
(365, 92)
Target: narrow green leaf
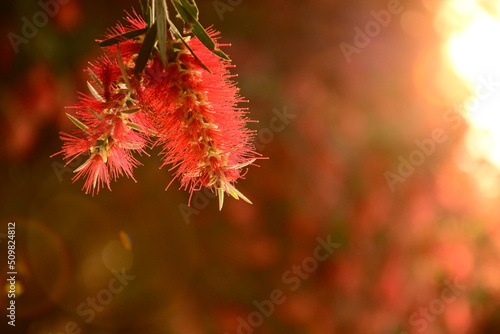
(130, 111)
(150, 14)
(233, 192)
(144, 6)
(243, 197)
(122, 37)
(161, 21)
(221, 54)
(239, 166)
(178, 35)
(123, 70)
(184, 14)
(96, 115)
(202, 35)
(220, 193)
(146, 49)
(134, 126)
(96, 79)
(94, 92)
(145, 11)
(236, 193)
(77, 122)
(190, 6)
(198, 30)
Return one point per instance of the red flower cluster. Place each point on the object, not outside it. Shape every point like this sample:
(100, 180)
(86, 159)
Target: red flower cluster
(189, 107)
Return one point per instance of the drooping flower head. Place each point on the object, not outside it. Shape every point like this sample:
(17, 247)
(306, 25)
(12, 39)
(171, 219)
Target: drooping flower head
(155, 84)
(202, 129)
(107, 132)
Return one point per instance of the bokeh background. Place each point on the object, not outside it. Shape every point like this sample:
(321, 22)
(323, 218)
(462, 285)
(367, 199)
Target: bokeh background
(417, 248)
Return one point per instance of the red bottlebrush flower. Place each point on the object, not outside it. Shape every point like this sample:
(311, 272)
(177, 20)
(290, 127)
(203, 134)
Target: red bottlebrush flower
(108, 129)
(128, 47)
(134, 22)
(100, 168)
(201, 128)
(183, 95)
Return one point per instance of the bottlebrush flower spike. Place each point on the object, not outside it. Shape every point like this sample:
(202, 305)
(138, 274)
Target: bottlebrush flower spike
(107, 131)
(156, 83)
(201, 129)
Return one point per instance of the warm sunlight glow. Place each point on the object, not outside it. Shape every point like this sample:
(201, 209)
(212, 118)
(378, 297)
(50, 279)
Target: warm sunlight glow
(473, 48)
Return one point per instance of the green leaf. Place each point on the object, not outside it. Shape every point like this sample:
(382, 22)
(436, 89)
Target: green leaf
(123, 70)
(145, 8)
(161, 21)
(92, 111)
(190, 6)
(122, 37)
(95, 78)
(94, 93)
(146, 49)
(198, 30)
(221, 54)
(130, 111)
(134, 126)
(236, 193)
(178, 35)
(184, 14)
(77, 122)
(220, 193)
